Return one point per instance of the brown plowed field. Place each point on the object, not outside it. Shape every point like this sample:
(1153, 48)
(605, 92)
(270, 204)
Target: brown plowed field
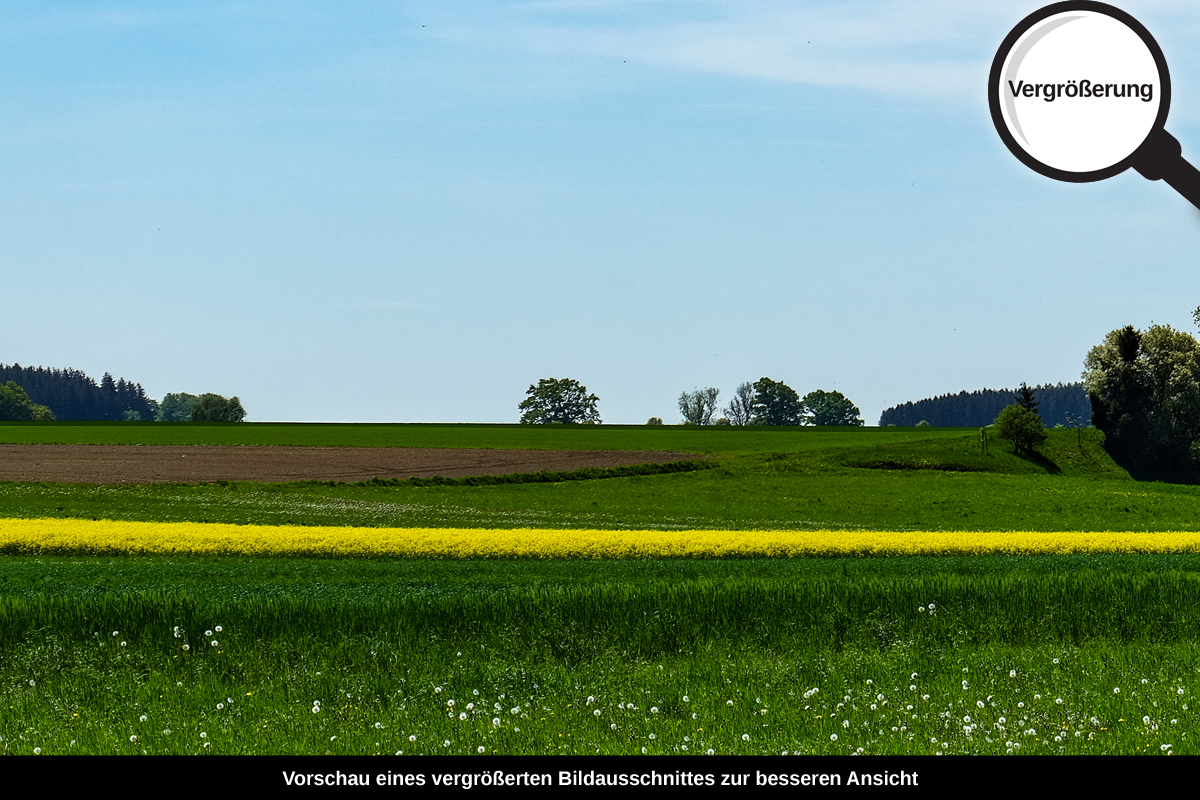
(190, 464)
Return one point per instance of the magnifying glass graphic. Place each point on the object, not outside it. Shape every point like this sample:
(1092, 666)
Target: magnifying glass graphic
(1079, 92)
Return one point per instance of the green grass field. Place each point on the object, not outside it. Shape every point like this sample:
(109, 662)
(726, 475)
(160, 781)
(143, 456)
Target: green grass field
(981, 654)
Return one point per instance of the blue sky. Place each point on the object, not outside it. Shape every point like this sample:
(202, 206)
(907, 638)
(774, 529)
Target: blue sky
(410, 212)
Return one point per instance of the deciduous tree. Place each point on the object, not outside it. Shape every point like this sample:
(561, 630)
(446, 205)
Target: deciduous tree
(1020, 426)
(15, 405)
(558, 400)
(697, 407)
(177, 407)
(776, 403)
(830, 408)
(215, 408)
(740, 410)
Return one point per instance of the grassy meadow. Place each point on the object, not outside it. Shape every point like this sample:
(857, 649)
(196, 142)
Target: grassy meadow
(954, 649)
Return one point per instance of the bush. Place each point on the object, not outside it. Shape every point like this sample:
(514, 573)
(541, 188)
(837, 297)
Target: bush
(1020, 426)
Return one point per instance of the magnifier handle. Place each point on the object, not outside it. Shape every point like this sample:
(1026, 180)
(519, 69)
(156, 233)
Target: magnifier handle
(1161, 158)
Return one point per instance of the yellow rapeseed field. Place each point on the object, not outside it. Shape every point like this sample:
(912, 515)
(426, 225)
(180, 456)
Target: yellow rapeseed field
(104, 536)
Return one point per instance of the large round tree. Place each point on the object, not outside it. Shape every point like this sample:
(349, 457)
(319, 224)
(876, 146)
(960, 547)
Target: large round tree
(559, 400)
(830, 408)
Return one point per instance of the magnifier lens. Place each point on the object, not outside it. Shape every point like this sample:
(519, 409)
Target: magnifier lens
(1079, 91)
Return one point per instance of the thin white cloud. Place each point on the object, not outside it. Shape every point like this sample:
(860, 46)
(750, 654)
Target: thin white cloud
(936, 47)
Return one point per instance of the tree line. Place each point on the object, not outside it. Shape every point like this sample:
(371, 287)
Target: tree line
(1063, 404)
(565, 401)
(38, 393)
(768, 402)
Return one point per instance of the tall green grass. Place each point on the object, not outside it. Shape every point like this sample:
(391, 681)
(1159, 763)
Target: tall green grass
(379, 649)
